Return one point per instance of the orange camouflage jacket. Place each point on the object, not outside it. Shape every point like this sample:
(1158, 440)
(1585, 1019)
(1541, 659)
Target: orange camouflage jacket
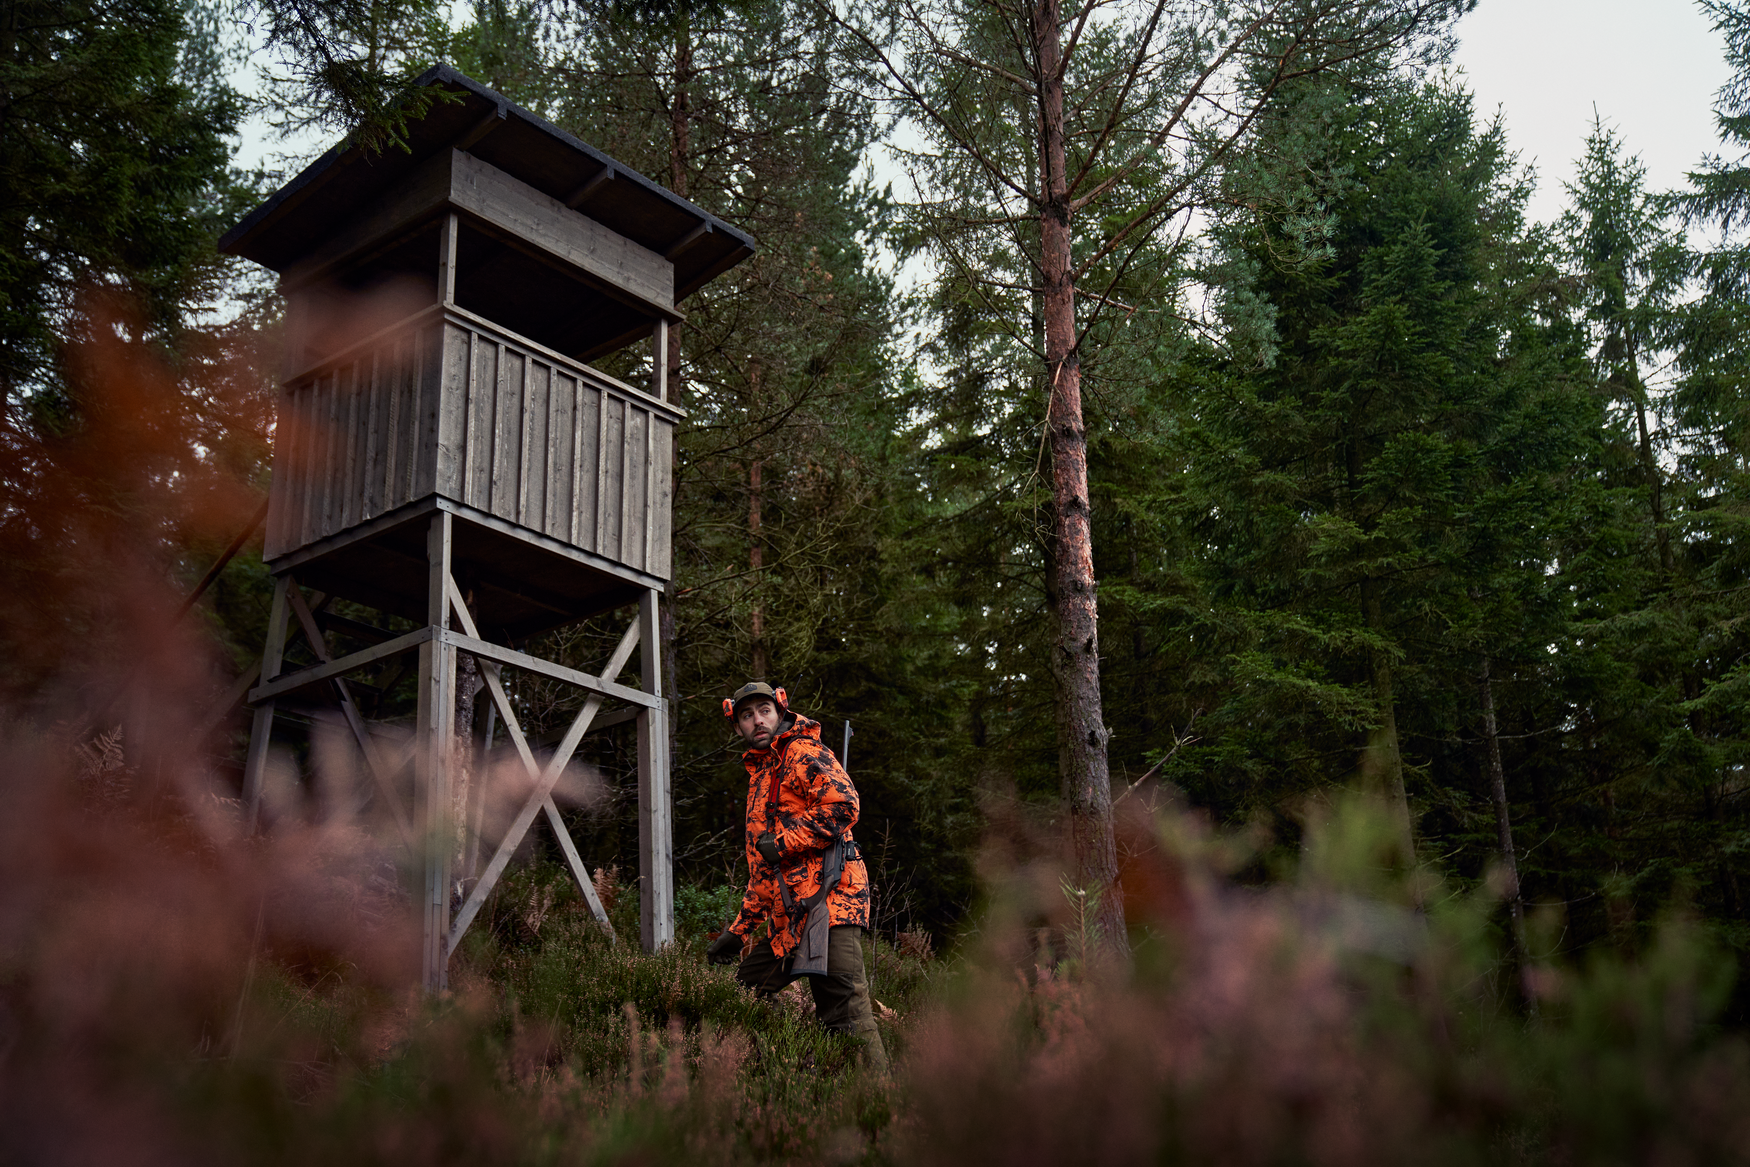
(798, 791)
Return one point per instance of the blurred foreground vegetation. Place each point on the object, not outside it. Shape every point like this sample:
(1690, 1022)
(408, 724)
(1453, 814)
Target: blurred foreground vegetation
(1420, 491)
(179, 999)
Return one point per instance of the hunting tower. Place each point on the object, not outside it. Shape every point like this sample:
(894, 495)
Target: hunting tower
(446, 455)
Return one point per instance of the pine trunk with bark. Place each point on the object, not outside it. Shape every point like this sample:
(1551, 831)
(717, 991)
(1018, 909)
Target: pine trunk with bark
(1075, 657)
(679, 158)
(1382, 761)
(1503, 817)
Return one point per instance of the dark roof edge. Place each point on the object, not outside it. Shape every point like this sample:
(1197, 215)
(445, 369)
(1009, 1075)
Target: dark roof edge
(446, 75)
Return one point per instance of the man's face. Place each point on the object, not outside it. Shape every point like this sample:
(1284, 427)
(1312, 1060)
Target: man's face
(757, 721)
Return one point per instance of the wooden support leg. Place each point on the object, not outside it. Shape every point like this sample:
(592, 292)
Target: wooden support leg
(435, 738)
(659, 361)
(261, 732)
(655, 815)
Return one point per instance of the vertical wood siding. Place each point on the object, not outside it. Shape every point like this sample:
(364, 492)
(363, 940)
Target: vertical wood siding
(457, 408)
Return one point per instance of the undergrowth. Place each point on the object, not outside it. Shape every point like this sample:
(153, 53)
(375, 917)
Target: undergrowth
(167, 997)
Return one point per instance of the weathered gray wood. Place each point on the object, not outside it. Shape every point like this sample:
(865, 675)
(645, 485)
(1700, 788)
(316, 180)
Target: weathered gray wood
(698, 232)
(495, 197)
(261, 732)
(544, 779)
(371, 472)
(571, 364)
(334, 433)
(448, 239)
(648, 522)
(543, 443)
(435, 738)
(431, 463)
(351, 439)
(317, 674)
(590, 186)
(520, 660)
(612, 478)
(662, 510)
(392, 216)
(382, 775)
(518, 503)
(538, 412)
(221, 708)
(506, 438)
(451, 426)
(292, 357)
(655, 811)
(659, 361)
(632, 487)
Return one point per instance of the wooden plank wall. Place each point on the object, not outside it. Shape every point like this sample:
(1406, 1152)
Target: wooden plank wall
(459, 408)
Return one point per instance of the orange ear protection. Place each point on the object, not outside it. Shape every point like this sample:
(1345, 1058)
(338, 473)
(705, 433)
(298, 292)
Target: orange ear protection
(782, 698)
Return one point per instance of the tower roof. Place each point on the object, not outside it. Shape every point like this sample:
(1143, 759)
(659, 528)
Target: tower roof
(492, 128)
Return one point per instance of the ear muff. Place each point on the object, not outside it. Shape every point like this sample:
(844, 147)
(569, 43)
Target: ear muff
(783, 699)
(728, 708)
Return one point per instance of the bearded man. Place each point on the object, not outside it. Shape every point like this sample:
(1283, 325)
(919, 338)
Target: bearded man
(807, 900)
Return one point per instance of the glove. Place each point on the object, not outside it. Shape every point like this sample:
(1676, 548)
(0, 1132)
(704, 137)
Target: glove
(767, 846)
(726, 949)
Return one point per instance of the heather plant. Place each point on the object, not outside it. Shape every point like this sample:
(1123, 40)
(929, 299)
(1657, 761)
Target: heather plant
(216, 997)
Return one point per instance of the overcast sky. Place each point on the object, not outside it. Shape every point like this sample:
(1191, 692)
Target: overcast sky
(1651, 67)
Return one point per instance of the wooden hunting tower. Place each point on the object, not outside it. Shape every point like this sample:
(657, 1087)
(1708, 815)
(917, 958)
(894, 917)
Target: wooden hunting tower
(445, 454)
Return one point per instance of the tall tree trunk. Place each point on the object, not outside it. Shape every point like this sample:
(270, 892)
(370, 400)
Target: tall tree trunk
(1649, 464)
(755, 562)
(1503, 818)
(465, 756)
(1075, 659)
(679, 159)
(1382, 762)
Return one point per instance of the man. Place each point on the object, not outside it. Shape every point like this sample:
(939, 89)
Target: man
(800, 810)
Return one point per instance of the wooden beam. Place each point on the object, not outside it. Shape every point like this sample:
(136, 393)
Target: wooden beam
(685, 241)
(659, 342)
(434, 737)
(316, 674)
(357, 629)
(349, 710)
(419, 194)
(238, 690)
(655, 810)
(448, 238)
(525, 213)
(261, 731)
(534, 664)
(572, 365)
(544, 779)
(578, 871)
(601, 178)
(481, 128)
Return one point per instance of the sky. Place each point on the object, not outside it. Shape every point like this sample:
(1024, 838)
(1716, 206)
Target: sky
(1650, 67)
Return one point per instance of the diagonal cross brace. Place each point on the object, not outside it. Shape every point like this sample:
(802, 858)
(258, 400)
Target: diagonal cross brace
(349, 710)
(541, 798)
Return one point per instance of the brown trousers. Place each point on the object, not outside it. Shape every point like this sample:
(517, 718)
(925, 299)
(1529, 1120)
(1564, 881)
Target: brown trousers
(841, 997)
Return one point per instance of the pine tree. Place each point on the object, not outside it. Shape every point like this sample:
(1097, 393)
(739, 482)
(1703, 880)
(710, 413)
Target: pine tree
(1371, 504)
(1061, 147)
